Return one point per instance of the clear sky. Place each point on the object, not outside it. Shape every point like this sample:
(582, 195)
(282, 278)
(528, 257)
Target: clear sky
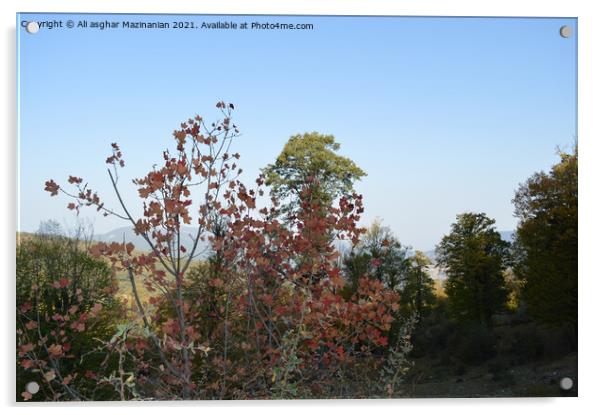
(445, 115)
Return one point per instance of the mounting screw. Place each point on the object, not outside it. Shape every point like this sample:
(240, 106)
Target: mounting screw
(566, 383)
(566, 31)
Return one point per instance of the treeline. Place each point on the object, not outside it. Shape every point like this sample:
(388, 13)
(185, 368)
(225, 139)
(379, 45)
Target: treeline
(275, 311)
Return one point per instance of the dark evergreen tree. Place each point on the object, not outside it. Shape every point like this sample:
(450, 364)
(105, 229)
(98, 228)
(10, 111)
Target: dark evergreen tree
(546, 243)
(474, 257)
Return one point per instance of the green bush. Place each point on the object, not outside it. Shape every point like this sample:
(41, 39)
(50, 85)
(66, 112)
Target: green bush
(57, 277)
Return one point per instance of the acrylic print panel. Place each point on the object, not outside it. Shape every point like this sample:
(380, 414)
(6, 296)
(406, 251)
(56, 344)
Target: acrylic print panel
(290, 207)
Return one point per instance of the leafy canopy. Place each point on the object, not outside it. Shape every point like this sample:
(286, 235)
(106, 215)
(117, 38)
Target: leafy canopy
(474, 256)
(312, 158)
(418, 288)
(546, 206)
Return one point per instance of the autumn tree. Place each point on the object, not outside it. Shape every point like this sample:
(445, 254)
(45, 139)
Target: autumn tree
(546, 206)
(264, 315)
(311, 158)
(197, 171)
(473, 255)
(293, 295)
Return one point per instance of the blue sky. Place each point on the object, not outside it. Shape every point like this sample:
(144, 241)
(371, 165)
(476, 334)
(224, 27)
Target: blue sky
(445, 115)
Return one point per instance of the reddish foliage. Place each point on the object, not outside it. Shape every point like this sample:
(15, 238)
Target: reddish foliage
(269, 283)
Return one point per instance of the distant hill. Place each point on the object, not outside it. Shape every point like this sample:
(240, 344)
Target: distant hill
(127, 234)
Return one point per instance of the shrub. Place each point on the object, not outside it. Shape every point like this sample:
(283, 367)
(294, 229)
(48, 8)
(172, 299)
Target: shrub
(64, 304)
(266, 315)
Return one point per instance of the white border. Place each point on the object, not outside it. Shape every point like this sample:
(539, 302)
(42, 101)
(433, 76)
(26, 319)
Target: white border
(590, 111)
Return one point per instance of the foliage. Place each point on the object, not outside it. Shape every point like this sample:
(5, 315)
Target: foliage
(64, 304)
(379, 255)
(290, 297)
(546, 206)
(275, 311)
(418, 293)
(306, 158)
(398, 363)
(201, 166)
(264, 316)
(473, 256)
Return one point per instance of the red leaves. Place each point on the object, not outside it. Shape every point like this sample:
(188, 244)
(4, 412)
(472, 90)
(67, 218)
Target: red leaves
(96, 309)
(78, 326)
(273, 276)
(170, 327)
(61, 283)
(115, 159)
(182, 168)
(55, 350)
(52, 187)
(153, 182)
(216, 283)
(289, 291)
(30, 325)
(341, 352)
(24, 349)
(337, 281)
(156, 180)
(90, 374)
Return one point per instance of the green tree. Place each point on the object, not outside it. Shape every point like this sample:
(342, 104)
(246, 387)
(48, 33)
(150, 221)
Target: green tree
(306, 159)
(474, 256)
(418, 287)
(546, 206)
(379, 255)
